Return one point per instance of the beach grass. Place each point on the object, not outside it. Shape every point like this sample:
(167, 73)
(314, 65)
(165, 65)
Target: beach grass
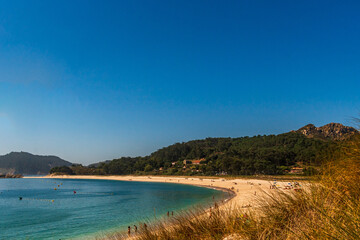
(196, 223)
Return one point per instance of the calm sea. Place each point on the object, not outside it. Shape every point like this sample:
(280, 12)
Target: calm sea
(97, 207)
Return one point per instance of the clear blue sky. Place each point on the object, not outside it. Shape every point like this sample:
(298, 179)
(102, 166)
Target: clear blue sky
(96, 80)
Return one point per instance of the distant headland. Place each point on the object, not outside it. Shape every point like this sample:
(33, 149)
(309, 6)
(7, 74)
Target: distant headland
(28, 164)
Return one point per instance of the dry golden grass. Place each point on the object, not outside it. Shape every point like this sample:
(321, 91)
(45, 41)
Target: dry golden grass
(196, 224)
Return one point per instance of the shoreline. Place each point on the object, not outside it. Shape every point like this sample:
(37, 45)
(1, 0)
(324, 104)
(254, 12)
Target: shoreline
(242, 192)
(237, 192)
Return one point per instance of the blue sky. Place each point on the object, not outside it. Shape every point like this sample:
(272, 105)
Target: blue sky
(96, 80)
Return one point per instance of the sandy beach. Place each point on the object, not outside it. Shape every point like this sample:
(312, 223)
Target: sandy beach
(243, 191)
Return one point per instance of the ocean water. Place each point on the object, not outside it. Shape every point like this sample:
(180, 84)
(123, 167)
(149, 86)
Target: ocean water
(97, 207)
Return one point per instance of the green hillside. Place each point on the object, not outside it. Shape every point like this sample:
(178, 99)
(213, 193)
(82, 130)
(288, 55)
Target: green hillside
(273, 154)
(29, 164)
(233, 156)
(304, 149)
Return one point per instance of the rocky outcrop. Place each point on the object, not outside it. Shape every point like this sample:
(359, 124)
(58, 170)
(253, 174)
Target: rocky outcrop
(331, 131)
(11, 175)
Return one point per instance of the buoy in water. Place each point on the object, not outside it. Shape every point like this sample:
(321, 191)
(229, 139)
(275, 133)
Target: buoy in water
(55, 189)
(20, 198)
(74, 192)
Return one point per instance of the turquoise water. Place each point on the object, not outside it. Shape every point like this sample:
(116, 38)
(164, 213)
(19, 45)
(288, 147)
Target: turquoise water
(99, 206)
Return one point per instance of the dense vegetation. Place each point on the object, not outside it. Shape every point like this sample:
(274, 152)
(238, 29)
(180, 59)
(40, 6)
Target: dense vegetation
(63, 169)
(29, 164)
(273, 154)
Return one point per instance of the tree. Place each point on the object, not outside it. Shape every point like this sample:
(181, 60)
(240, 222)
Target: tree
(62, 170)
(148, 168)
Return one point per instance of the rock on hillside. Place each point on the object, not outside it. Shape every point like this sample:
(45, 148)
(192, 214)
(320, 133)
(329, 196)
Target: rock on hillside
(333, 131)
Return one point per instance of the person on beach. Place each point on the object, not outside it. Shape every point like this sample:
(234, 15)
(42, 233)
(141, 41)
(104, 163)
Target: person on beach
(135, 227)
(172, 213)
(168, 213)
(129, 229)
(145, 226)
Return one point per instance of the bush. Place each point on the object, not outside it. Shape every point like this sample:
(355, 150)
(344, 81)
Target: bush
(310, 171)
(61, 170)
(148, 168)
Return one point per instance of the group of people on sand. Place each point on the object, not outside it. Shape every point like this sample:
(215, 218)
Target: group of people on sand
(135, 229)
(296, 186)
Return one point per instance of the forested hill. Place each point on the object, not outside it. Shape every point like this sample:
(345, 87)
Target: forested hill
(273, 154)
(237, 156)
(29, 164)
(259, 154)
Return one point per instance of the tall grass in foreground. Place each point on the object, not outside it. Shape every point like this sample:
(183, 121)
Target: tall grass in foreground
(327, 209)
(195, 224)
